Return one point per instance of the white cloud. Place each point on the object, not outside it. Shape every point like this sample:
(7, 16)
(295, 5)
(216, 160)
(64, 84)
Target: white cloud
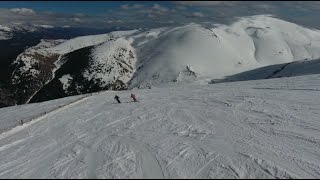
(155, 14)
(181, 7)
(75, 19)
(206, 3)
(151, 16)
(198, 14)
(23, 11)
(48, 12)
(114, 21)
(44, 26)
(125, 6)
(80, 15)
(17, 23)
(159, 8)
(264, 6)
(138, 6)
(134, 6)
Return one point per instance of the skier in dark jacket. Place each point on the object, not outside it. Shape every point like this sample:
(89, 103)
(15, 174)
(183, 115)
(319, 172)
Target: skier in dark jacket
(117, 98)
(133, 97)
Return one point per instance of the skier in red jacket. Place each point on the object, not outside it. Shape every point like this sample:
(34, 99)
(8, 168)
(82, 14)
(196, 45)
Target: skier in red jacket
(133, 97)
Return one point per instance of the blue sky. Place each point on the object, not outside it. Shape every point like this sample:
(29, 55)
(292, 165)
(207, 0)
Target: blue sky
(135, 14)
(86, 7)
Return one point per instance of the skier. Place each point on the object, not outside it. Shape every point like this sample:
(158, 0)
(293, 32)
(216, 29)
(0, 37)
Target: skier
(117, 98)
(133, 97)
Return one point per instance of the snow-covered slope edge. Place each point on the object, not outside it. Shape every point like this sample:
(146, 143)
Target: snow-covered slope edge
(296, 68)
(231, 130)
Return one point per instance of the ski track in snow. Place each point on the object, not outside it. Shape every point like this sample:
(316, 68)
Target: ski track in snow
(227, 130)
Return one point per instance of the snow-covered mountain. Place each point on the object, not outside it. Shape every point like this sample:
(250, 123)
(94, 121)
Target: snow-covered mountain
(223, 50)
(154, 57)
(27, 62)
(255, 129)
(5, 32)
(8, 31)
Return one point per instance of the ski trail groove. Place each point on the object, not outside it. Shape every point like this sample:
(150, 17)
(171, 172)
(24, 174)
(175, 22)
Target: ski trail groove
(150, 164)
(206, 165)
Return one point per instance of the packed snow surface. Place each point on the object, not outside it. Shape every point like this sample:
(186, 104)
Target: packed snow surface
(254, 129)
(11, 118)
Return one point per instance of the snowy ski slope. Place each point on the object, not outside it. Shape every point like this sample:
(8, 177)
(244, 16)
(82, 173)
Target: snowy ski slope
(249, 129)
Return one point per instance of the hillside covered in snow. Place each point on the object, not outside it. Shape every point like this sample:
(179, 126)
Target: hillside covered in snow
(296, 68)
(249, 129)
(154, 57)
(223, 50)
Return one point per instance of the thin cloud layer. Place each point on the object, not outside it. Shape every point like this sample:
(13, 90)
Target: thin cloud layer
(159, 8)
(134, 6)
(150, 15)
(23, 11)
(198, 14)
(206, 3)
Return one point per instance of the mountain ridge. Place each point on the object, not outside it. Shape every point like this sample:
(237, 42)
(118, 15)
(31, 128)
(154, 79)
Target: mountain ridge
(153, 57)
